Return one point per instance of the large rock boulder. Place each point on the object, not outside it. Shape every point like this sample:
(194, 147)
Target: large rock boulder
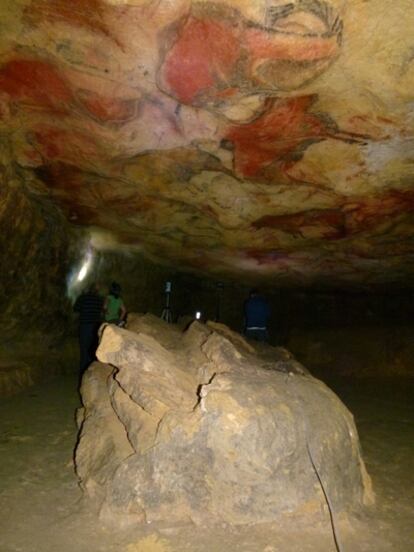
(201, 425)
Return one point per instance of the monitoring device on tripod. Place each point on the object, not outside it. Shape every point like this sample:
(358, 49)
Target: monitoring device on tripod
(166, 312)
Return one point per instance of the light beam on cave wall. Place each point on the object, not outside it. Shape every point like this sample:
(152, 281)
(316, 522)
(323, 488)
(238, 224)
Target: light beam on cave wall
(78, 276)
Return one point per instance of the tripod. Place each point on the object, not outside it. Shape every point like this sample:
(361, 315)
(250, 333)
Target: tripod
(166, 311)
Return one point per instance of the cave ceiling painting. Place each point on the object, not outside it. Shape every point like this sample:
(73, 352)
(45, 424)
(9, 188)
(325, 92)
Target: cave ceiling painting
(251, 138)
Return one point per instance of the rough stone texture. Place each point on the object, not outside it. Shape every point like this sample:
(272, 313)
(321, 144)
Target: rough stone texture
(201, 426)
(357, 352)
(30, 358)
(33, 244)
(97, 459)
(271, 140)
(14, 376)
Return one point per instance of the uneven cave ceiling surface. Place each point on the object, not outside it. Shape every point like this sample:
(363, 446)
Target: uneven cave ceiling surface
(258, 139)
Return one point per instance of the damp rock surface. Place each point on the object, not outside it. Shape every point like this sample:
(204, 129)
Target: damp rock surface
(201, 425)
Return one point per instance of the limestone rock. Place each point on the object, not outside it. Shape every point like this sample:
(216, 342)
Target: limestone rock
(103, 443)
(209, 431)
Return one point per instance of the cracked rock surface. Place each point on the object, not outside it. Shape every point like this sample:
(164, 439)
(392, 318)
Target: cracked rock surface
(201, 425)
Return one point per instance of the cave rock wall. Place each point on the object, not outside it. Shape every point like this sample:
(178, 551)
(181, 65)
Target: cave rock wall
(268, 140)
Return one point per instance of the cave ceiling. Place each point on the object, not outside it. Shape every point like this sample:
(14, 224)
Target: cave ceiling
(257, 139)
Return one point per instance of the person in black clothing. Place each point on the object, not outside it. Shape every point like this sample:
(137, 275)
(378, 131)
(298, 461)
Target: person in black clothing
(89, 305)
(256, 316)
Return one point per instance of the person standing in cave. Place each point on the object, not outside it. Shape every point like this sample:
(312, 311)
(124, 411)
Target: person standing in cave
(256, 317)
(114, 308)
(89, 305)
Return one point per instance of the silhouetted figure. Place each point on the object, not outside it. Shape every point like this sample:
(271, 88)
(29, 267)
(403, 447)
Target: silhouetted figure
(89, 305)
(114, 308)
(256, 316)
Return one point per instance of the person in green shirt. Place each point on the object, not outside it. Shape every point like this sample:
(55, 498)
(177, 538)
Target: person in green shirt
(114, 307)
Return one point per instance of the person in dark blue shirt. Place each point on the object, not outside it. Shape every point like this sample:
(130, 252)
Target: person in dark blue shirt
(256, 316)
(89, 305)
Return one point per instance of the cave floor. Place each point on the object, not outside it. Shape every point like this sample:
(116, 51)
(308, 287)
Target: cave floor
(41, 507)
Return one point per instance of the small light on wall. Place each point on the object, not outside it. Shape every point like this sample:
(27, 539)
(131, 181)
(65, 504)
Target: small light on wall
(198, 315)
(78, 274)
(86, 265)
